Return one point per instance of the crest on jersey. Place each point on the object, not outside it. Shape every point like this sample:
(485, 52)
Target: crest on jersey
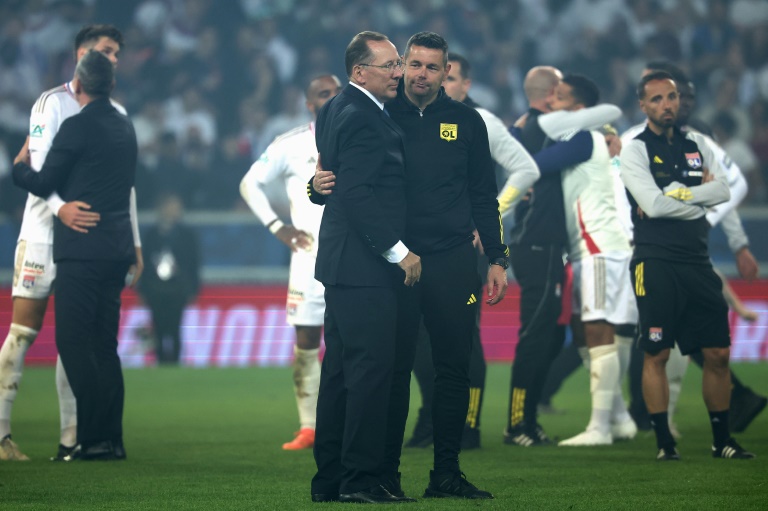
(693, 160)
(37, 130)
(655, 334)
(28, 281)
(449, 132)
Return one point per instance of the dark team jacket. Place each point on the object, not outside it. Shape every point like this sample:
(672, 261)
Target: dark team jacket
(92, 159)
(450, 176)
(668, 238)
(540, 216)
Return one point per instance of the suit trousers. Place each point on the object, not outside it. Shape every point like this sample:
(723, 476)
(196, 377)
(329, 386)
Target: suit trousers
(447, 299)
(539, 272)
(355, 382)
(87, 321)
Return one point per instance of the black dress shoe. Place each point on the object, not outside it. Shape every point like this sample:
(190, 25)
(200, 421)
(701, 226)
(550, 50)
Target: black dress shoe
(325, 497)
(119, 450)
(392, 485)
(373, 495)
(101, 451)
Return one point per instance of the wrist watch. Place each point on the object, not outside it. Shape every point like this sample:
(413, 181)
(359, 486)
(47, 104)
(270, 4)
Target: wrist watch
(500, 261)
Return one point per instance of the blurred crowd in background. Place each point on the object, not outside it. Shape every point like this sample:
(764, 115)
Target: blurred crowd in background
(210, 83)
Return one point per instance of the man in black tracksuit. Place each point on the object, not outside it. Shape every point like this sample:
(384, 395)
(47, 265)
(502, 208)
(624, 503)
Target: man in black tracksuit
(537, 243)
(450, 191)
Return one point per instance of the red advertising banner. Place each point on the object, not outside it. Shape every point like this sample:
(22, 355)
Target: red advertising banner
(245, 326)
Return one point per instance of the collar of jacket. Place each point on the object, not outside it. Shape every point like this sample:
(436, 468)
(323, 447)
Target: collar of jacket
(676, 134)
(401, 102)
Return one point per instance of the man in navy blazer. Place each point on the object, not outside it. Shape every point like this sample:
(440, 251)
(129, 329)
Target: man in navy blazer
(360, 261)
(92, 159)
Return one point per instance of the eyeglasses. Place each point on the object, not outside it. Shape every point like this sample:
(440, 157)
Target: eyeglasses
(387, 67)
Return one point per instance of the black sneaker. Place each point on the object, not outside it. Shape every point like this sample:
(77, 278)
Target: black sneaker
(392, 485)
(732, 450)
(668, 454)
(542, 435)
(470, 439)
(453, 485)
(522, 436)
(744, 409)
(422, 433)
(65, 453)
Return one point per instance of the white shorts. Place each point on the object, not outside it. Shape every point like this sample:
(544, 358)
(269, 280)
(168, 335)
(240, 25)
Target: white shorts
(306, 296)
(602, 289)
(34, 270)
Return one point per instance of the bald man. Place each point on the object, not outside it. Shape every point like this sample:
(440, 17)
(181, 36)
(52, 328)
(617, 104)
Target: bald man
(537, 244)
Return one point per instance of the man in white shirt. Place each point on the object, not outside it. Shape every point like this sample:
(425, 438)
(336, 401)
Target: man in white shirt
(291, 159)
(34, 270)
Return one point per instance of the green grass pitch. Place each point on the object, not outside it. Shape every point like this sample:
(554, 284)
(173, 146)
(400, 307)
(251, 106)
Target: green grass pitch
(210, 439)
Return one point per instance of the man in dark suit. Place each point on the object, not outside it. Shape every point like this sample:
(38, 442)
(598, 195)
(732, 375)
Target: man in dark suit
(359, 251)
(92, 159)
(172, 277)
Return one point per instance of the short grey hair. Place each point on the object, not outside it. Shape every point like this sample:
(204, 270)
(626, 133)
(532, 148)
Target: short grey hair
(96, 74)
(358, 51)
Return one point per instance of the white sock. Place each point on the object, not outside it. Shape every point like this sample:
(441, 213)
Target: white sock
(306, 379)
(584, 354)
(619, 413)
(12, 354)
(676, 367)
(67, 407)
(604, 377)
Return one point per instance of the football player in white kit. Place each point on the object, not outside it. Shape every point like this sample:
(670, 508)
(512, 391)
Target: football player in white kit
(291, 159)
(34, 270)
(599, 251)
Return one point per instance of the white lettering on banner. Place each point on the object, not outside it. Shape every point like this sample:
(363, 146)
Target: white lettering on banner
(198, 332)
(750, 339)
(238, 336)
(241, 335)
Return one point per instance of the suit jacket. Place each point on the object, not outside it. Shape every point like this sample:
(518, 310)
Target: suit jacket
(172, 263)
(92, 159)
(365, 214)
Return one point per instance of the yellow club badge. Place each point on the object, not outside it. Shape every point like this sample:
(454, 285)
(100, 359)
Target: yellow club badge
(449, 132)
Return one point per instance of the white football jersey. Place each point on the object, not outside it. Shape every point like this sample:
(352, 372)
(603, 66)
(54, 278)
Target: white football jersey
(291, 158)
(50, 110)
(591, 215)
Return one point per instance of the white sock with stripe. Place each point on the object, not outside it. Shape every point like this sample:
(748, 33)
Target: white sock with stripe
(67, 407)
(306, 379)
(619, 411)
(603, 381)
(676, 367)
(12, 354)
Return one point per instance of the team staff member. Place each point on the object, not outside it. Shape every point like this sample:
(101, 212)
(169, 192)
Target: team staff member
(359, 251)
(291, 159)
(537, 244)
(672, 177)
(92, 159)
(451, 189)
(521, 172)
(745, 403)
(35, 270)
